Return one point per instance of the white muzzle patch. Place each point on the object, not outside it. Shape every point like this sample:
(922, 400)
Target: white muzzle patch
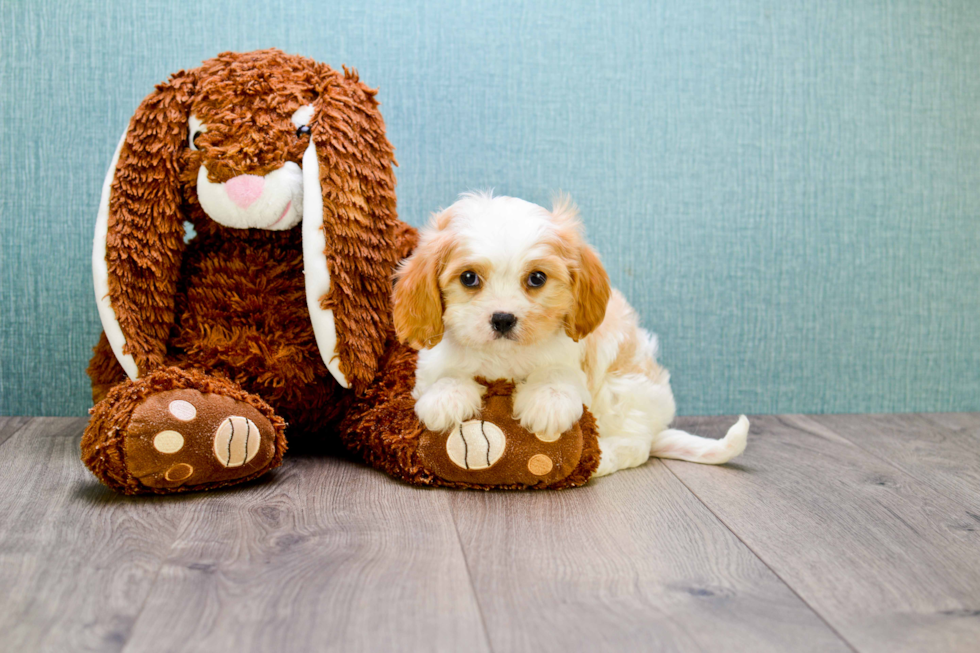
(273, 202)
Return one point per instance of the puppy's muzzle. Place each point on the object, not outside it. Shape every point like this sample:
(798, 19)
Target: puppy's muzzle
(503, 323)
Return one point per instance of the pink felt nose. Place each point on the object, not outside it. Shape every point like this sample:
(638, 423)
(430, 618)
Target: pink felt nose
(244, 189)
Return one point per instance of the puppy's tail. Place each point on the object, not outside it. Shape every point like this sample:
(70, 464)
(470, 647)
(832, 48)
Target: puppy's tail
(680, 445)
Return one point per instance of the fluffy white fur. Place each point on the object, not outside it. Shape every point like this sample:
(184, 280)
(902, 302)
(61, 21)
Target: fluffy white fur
(279, 207)
(556, 367)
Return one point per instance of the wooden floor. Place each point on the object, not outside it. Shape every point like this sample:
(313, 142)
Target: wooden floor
(831, 533)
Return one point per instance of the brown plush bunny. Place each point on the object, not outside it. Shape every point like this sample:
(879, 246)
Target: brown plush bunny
(278, 309)
(210, 346)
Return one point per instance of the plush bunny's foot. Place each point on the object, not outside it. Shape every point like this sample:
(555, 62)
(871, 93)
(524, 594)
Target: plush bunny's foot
(184, 437)
(174, 431)
(494, 450)
(490, 450)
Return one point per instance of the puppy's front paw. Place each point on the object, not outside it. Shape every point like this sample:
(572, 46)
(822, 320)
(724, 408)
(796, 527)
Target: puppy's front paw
(547, 410)
(449, 402)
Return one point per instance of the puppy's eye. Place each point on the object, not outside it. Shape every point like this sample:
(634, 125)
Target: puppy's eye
(536, 279)
(470, 279)
(304, 130)
(193, 141)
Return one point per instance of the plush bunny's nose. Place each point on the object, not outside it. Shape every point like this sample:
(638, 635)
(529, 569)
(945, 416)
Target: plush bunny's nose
(244, 189)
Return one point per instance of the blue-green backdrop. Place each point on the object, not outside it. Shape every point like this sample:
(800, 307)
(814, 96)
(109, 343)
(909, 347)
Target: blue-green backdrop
(789, 192)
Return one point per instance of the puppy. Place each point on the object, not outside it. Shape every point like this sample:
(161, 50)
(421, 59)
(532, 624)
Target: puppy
(505, 289)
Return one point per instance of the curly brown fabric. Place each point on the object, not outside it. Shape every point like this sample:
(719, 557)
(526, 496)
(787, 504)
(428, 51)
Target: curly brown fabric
(104, 370)
(245, 99)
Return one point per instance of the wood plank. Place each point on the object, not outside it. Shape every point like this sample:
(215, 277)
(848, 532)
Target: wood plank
(879, 554)
(76, 560)
(630, 562)
(10, 425)
(331, 556)
(946, 460)
(966, 425)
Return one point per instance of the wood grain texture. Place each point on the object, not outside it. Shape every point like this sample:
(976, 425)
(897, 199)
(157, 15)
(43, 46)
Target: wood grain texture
(880, 555)
(945, 459)
(330, 556)
(845, 533)
(10, 425)
(76, 560)
(966, 425)
(630, 562)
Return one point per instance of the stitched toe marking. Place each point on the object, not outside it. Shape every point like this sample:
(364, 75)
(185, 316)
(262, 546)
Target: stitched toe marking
(539, 464)
(476, 444)
(236, 441)
(168, 442)
(182, 410)
(179, 472)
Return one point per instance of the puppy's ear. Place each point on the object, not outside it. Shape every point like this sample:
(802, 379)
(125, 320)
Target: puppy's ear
(417, 300)
(139, 237)
(590, 287)
(349, 219)
(590, 283)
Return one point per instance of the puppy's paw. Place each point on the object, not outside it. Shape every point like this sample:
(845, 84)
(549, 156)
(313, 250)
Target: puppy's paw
(449, 402)
(547, 410)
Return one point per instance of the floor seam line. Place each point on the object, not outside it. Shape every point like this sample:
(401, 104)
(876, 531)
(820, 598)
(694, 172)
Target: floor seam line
(153, 584)
(19, 429)
(763, 561)
(896, 466)
(469, 576)
(942, 428)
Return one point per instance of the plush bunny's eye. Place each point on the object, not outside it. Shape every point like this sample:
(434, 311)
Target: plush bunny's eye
(194, 129)
(301, 118)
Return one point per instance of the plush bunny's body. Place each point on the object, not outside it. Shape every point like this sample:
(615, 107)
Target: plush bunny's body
(240, 312)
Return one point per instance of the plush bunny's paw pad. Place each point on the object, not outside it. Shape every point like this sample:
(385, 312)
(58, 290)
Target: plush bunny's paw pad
(476, 444)
(188, 438)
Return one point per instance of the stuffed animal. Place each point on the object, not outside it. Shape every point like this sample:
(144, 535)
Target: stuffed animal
(277, 310)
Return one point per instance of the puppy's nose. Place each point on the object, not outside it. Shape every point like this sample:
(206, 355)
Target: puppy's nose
(503, 322)
(243, 190)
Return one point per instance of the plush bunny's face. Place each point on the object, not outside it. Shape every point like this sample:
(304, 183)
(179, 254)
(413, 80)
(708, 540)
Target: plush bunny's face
(244, 155)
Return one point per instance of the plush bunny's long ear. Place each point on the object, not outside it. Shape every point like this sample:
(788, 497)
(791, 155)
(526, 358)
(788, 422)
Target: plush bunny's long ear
(316, 268)
(139, 235)
(349, 229)
(100, 274)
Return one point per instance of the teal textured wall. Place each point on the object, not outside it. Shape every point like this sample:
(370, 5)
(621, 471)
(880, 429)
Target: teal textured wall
(789, 192)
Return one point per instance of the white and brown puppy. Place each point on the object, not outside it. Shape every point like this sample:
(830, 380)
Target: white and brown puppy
(504, 289)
